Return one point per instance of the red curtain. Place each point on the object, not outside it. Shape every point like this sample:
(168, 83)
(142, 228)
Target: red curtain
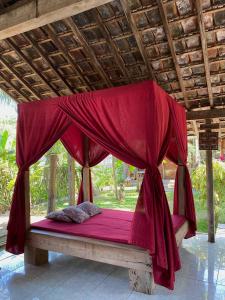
(73, 139)
(38, 128)
(177, 153)
(137, 132)
(134, 123)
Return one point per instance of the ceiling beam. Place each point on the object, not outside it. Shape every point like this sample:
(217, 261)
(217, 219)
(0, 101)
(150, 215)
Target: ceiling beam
(204, 49)
(88, 50)
(47, 60)
(58, 43)
(163, 14)
(205, 114)
(36, 13)
(32, 67)
(113, 48)
(132, 23)
(19, 78)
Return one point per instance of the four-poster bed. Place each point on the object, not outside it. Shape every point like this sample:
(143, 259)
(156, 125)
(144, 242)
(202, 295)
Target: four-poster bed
(140, 124)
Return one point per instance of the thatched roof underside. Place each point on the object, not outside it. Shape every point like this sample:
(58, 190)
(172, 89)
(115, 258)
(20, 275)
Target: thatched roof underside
(179, 43)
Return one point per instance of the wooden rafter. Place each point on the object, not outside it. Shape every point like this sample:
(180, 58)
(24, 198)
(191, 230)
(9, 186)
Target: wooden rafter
(47, 60)
(172, 49)
(204, 49)
(36, 13)
(205, 114)
(137, 36)
(50, 31)
(195, 127)
(88, 50)
(13, 88)
(113, 48)
(32, 67)
(19, 78)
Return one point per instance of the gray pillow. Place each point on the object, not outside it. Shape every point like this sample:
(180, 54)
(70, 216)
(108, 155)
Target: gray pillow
(90, 208)
(76, 214)
(59, 216)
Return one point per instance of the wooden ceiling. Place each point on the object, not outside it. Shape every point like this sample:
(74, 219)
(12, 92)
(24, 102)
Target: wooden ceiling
(178, 43)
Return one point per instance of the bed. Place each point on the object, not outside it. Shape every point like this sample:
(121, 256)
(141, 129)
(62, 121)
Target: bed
(139, 124)
(103, 238)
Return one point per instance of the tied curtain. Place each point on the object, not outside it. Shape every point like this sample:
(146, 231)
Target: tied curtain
(38, 128)
(74, 141)
(177, 153)
(136, 129)
(134, 123)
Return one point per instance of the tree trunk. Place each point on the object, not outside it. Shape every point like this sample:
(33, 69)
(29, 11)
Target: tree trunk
(71, 179)
(52, 182)
(114, 178)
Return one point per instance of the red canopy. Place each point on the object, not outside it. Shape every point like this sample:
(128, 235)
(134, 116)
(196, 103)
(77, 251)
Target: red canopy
(139, 124)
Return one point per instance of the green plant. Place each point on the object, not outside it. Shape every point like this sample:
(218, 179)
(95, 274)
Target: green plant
(199, 184)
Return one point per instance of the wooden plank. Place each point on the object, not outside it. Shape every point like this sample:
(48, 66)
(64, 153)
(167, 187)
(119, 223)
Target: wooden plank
(209, 126)
(181, 233)
(125, 256)
(36, 13)
(138, 38)
(43, 55)
(53, 158)
(201, 24)
(205, 114)
(19, 78)
(32, 67)
(88, 50)
(210, 194)
(113, 47)
(60, 45)
(165, 22)
(208, 140)
(35, 256)
(141, 281)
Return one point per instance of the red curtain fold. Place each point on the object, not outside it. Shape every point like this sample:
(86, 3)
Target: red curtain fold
(136, 124)
(177, 153)
(73, 140)
(139, 136)
(38, 128)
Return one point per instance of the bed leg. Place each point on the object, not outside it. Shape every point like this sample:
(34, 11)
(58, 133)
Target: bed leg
(35, 256)
(141, 281)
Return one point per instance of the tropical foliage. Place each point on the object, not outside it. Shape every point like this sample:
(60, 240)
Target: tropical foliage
(199, 183)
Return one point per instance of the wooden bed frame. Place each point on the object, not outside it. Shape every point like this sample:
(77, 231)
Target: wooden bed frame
(137, 260)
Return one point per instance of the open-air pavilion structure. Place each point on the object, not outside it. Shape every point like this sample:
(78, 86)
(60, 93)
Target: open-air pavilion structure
(59, 48)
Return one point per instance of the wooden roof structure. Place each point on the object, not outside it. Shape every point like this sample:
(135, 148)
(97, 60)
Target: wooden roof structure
(53, 48)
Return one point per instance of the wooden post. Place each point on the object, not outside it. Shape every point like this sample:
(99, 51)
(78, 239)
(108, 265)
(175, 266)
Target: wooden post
(209, 192)
(53, 158)
(71, 179)
(86, 173)
(114, 177)
(210, 200)
(181, 190)
(32, 255)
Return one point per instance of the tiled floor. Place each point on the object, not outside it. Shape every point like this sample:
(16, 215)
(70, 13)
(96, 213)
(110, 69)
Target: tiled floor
(67, 278)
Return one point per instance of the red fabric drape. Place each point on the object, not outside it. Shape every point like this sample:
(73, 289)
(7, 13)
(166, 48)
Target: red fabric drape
(134, 123)
(73, 140)
(37, 131)
(138, 133)
(177, 153)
